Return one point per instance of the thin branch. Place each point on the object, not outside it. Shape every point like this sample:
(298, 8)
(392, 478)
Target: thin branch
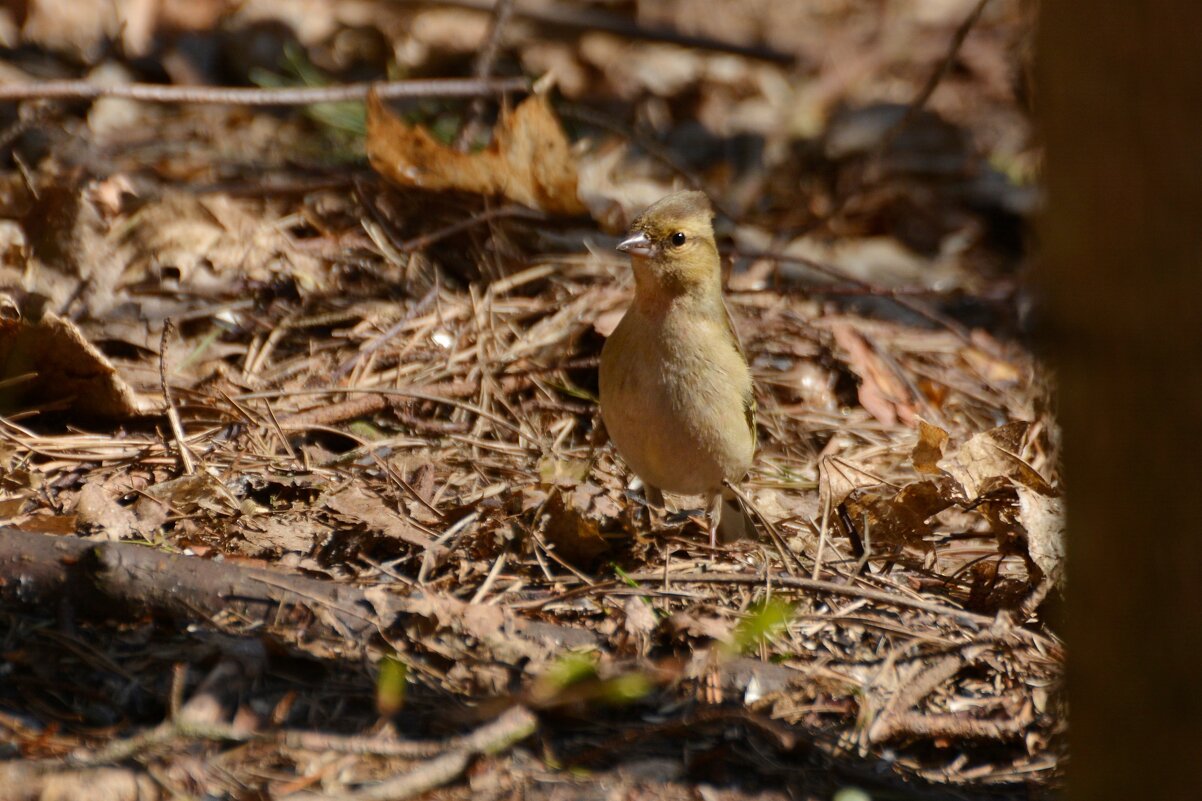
(177, 429)
(495, 737)
(983, 622)
(243, 96)
(587, 19)
(920, 100)
(901, 296)
(501, 14)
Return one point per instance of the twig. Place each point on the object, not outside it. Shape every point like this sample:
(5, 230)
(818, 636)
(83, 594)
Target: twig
(177, 430)
(241, 96)
(337, 412)
(795, 582)
(425, 240)
(580, 19)
(496, 737)
(955, 726)
(912, 691)
(933, 81)
(822, 532)
(165, 732)
(321, 741)
(501, 14)
(898, 296)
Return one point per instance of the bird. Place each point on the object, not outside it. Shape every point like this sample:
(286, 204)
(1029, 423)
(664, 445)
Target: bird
(676, 391)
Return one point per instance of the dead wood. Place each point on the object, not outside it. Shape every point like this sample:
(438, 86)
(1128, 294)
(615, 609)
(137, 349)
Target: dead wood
(104, 579)
(114, 579)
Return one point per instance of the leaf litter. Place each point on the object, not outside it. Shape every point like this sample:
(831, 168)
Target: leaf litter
(415, 424)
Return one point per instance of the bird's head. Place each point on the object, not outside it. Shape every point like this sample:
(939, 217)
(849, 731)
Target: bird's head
(672, 248)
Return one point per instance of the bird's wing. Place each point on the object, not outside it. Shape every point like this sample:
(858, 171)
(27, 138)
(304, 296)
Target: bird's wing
(749, 395)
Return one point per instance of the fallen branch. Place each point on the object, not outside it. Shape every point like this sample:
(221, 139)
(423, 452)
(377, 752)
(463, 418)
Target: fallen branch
(954, 726)
(117, 579)
(103, 580)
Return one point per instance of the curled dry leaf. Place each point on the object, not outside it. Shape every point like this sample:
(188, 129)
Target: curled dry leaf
(46, 361)
(573, 519)
(528, 162)
(1043, 518)
(898, 516)
(369, 509)
(881, 392)
(992, 454)
(991, 459)
(929, 449)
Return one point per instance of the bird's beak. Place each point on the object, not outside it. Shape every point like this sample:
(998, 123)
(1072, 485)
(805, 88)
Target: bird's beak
(637, 245)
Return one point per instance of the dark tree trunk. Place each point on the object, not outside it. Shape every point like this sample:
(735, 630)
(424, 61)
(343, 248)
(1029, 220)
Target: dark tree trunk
(1120, 94)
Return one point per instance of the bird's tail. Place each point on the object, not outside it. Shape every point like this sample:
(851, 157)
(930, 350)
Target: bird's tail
(735, 522)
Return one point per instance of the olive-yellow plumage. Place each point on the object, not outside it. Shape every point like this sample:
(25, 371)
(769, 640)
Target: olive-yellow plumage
(676, 392)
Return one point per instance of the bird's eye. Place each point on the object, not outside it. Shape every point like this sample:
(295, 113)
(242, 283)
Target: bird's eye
(678, 239)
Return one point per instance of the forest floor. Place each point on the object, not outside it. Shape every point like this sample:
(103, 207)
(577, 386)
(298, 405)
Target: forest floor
(303, 488)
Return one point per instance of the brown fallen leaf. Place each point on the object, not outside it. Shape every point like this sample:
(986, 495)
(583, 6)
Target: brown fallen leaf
(529, 160)
(929, 448)
(195, 494)
(572, 524)
(994, 454)
(898, 516)
(370, 510)
(838, 478)
(991, 461)
(272, 535)
(1043, 518)
(881, 392)
(46, 361)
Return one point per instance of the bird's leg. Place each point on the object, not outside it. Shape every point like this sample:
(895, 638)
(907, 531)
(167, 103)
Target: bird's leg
(654, 498)
(714, 511)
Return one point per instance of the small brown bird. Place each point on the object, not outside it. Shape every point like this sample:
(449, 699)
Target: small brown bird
(676, 393)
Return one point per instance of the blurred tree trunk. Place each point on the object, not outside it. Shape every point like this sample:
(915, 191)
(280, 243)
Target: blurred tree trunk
(1120, 93)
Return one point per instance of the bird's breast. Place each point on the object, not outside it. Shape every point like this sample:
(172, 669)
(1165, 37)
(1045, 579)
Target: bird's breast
(673, 397)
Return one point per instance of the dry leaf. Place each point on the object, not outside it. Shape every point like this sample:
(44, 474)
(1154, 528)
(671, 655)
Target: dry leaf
(894, 516)
(881, 392)
(573, 526)
(529, 161)
(639, 617)
(994, 454)
(359, 504)
(96, 508)
(838, 478)
(192, 494)
(929, 448)
(270, 535)
(563, 472)
(1043, 518)
(691, 624)
(214, 240)
(63, 370)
